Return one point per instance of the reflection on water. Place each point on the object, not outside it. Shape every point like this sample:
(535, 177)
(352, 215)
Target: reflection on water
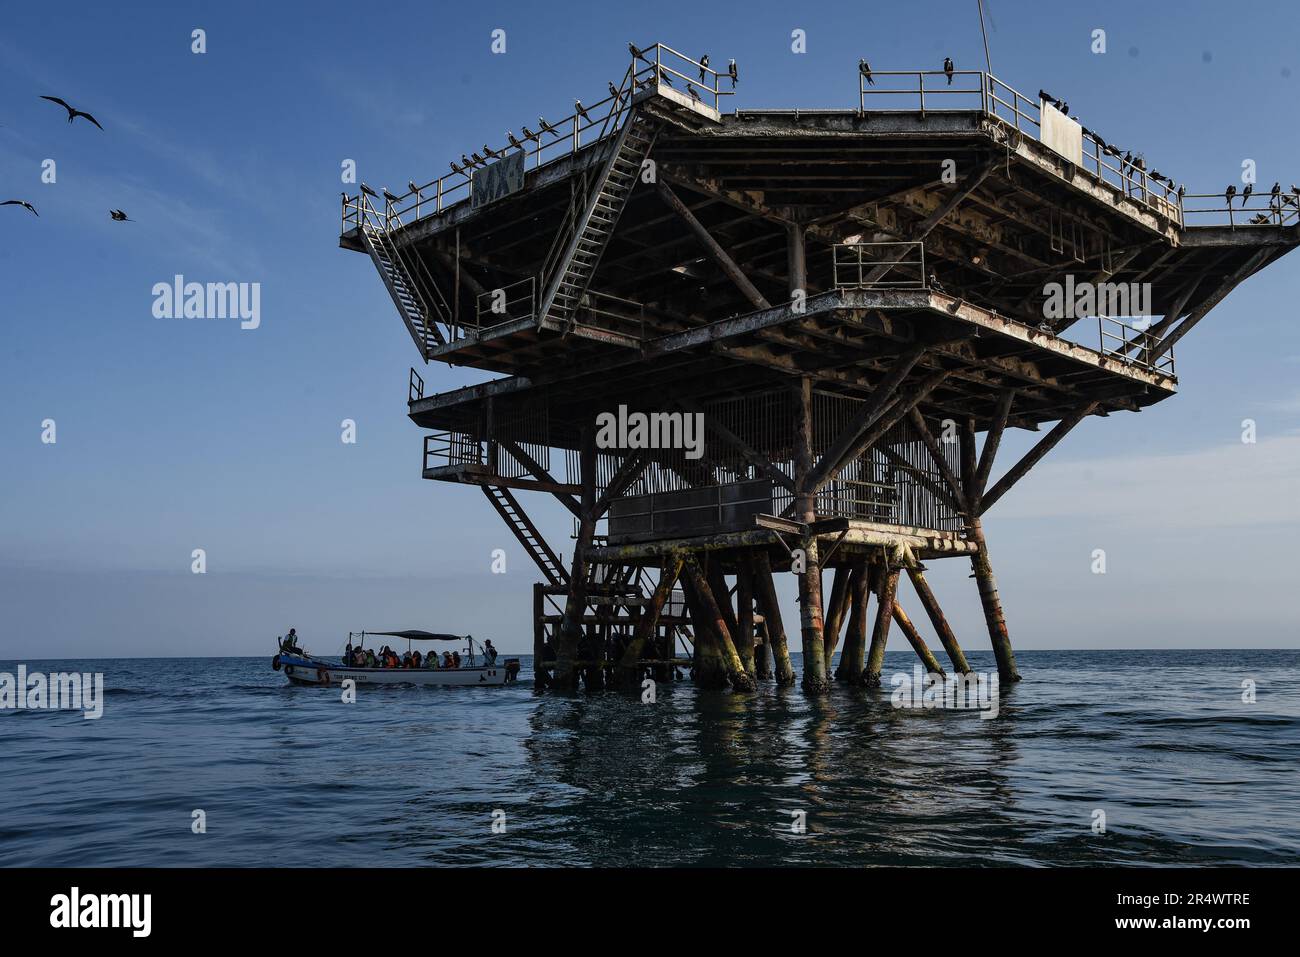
(1160, 741)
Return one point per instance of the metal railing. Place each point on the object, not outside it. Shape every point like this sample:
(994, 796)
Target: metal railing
(414, 386)
(452, 448)
(1132, 346)
(515, 301)
(652, 67)
(852, 264)
(928, 90)
(600, 310)
(1256, 209)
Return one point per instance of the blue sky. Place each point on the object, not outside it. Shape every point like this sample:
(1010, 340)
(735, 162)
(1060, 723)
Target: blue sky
(175, 435)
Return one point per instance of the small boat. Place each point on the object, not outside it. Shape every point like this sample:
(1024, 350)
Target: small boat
(302, 668)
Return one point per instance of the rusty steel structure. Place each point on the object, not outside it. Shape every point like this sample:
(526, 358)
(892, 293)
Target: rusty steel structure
(844, 300)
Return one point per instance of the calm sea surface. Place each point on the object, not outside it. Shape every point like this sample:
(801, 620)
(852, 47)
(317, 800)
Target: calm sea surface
(1185, 772)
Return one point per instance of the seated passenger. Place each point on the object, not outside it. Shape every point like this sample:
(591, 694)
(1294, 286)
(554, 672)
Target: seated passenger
(370, 658)
(415, 658)
(406, 660)
(455, 659)
(446, 659)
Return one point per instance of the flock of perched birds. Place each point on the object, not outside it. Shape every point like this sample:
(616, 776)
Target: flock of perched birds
(660, 74)
(73, 113)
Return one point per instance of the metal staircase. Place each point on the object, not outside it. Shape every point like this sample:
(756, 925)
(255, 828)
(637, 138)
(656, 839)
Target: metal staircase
(568, 275)
(529, 537)
(419, 301)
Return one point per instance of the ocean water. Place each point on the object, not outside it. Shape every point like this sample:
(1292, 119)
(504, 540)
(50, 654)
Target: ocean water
(1160, 741)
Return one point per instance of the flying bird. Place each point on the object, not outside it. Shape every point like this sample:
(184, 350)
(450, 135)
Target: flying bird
(704, 66)
(72, 113)
(24, 204)
(865, 69)
(948, 69)
(119, 216)
(733, 73)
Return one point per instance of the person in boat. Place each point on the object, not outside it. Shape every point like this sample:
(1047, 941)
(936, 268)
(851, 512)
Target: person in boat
(446, 659)
(489, 652)
(290, 642)
(415, 658)
(347, 655)
(455, 659)
(406, 660)
(370, 658)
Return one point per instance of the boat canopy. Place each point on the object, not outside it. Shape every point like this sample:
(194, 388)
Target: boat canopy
(417, 635)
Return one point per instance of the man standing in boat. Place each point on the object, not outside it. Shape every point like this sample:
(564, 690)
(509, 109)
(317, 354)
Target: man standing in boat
(489, 652)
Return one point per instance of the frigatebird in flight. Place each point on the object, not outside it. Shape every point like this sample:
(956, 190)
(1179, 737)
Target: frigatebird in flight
(72, 112)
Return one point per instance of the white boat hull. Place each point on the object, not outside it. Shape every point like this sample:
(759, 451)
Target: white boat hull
(315, 672)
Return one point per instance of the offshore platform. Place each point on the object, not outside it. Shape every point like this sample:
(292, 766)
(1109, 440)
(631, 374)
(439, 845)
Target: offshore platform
(844, 299)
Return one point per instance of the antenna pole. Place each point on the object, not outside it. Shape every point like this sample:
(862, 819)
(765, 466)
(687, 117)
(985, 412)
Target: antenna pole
(988, 64)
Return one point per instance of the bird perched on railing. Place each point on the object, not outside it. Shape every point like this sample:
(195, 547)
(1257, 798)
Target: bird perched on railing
(29, 207)
(514, 141)
(529, 134)
(733, 73)
(546, 127)
(613, 90)
(1245, 194)
(638, 54)
(368, 191)
(389, 196)
(581, 110)
(1230, 192)
(476, 159)
(1259, 219)
(1182, 190)
(454, 167)
(489, 152)
(662, 76)
(948, 69)
(1275, 196)
(864, 68)
(691, 90)
(935, 284)
(415, 190)
(704, 66)
(465, 161)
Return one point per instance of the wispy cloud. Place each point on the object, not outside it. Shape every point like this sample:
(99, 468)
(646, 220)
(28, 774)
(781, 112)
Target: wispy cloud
(1227, 485)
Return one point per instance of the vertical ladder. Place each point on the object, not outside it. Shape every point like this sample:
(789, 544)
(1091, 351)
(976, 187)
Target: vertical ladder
(529, 537)
(595, 224)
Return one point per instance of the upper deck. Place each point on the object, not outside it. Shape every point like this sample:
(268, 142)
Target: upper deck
(693, 249)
